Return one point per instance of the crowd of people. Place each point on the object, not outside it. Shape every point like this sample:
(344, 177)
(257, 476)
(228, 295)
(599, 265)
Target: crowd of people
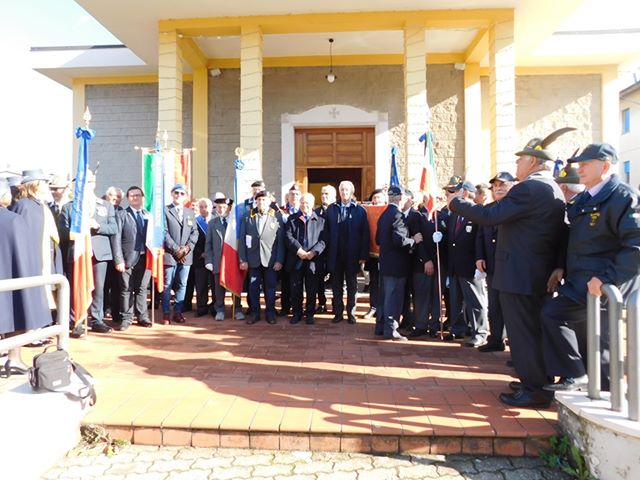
(514, 257)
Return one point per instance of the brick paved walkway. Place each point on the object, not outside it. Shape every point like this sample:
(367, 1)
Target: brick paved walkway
(324, 387)
(169, 463)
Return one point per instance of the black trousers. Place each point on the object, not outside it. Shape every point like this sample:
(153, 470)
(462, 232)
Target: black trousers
(134, 283)
(496, 319)
(203, 284)
(522, 319)
(339, 277)
(112, 292)
(305, 278)
(188, 293)
(564, 339)
(321, 273)
(468, 292)
(422, 301)
(374, 282)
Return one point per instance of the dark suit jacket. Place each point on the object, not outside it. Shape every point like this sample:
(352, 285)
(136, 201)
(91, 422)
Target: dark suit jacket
(177, 234)
(395, 243)
(105, 215)
(124, 242)
(355, 242)
(532, 233)
(214, 243)
(198, 250)
(486, 246)
(267, 247)
(462, 247)
(425, 251)
(297, 232)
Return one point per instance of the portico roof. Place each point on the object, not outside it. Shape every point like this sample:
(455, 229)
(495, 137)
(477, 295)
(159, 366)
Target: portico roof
(547, 32)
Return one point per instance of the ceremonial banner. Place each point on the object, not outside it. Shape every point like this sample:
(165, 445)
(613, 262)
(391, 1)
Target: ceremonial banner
(429, 179)
(154, 198)
(231, 277)
(373, 214)
(80, 232)
(393, 178)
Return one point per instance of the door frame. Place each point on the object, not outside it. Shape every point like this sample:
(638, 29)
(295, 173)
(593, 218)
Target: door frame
(335, 116)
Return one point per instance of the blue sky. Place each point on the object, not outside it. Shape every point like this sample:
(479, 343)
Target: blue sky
(35, 112)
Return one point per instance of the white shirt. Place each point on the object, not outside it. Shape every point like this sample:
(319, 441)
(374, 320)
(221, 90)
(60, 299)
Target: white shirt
(593, 191)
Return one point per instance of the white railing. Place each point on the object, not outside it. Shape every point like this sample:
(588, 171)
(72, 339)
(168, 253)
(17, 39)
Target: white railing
(60, 330)
(616, 372)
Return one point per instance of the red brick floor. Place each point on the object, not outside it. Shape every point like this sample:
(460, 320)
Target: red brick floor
(324, 386)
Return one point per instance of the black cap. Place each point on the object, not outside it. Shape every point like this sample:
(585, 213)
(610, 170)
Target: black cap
(502, 177)
(262, 193)
(596, 151)
(395, 191)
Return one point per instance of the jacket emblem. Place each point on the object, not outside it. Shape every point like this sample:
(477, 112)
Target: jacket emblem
(593, 218)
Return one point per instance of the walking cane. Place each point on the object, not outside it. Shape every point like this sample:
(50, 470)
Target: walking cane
(442, 311)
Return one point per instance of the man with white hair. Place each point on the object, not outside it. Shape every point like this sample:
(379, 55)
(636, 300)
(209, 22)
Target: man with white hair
(348, 248)
(569, 182)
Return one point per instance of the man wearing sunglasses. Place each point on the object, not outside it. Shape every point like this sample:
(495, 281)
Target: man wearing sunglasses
(180, 236)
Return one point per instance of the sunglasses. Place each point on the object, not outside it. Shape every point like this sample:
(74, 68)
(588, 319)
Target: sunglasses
(178, 192)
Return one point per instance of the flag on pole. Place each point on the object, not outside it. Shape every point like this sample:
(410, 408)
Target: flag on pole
(393, 178)
(231, 277)
(80, 232)
(429, 178)
(154, 198)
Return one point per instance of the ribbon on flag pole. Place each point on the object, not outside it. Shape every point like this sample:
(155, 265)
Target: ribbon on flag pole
(393, 177)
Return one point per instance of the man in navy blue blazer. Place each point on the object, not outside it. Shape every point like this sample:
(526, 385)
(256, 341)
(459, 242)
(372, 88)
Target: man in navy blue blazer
(396, 246)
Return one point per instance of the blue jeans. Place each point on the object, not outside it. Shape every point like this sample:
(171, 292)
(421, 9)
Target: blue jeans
(268, 277)
(175, 277)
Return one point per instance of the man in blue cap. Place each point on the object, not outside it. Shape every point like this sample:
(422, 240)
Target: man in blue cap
(604, 248)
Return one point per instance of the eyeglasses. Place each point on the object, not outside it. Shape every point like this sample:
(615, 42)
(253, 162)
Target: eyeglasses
(178, 192)
(134, 195)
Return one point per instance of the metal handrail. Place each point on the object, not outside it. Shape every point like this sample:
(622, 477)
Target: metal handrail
(633, 355)
(60, 330)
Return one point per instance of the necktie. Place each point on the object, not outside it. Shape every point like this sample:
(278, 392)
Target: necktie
(458, 224)
(224, 222)
(180, 214)
(140, 221)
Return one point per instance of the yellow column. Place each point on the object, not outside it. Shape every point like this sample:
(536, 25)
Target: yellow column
(250, 105)
(610, 93)
(79, 105)
(477, 164)
(170, 88)
(502, 96)
(416, 110)
(200, 168)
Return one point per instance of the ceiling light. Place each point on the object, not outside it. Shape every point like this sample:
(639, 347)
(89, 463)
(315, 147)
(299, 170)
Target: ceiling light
(331, 77)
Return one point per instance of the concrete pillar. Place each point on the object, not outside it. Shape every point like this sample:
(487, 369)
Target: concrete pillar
(250, 105)
(477, 164)
(200, 157)
(502, 96)
(416, 110)
(610, 92)
(170, 89)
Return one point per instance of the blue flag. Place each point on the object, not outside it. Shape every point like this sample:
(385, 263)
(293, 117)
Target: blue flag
(393, 179)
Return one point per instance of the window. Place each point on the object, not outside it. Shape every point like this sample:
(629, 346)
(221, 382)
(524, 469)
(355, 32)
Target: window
(627, 171)
(626, 121)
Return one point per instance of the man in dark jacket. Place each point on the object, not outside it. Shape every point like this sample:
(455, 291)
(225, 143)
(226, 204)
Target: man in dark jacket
(129, 258)
(348, 248)
(305, 244)
(531, 227)
(180, 237)
(392, 235)
(464, 286)
(485, 263)
(327, 197)
(603, 248)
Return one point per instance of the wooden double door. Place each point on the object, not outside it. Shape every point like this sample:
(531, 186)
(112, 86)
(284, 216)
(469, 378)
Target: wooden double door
(330, 155)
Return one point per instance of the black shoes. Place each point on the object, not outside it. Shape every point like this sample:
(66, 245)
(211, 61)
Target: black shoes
(489, 347)
(336, 319)
(295, 319)
(101, 327)
(252, 320)
(417, 333)
(284, 312)
(271, 320)
(568, 384)
(124, 326)
(515, 385)
(351, 318)
(144, 323)
(524, 399)
(309, 321)
(78, 331)
(321, 309)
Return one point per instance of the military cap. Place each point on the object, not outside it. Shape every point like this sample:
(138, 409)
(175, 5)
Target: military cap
(179, 187)
(596, 151)
(34, 175)
(568, 174)
(395, 191)
(466, 185)
(14, 180)
(537, 147)
(502, 177)
(453, 182)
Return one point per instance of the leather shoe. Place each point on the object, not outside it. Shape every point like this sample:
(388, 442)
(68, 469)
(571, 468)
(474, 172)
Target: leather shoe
(101, 327)
(321, 309)
(123, 326)
(524, 399)
(271, 320)
(252, 320)
(515, 385)
(489, 347)
(309, 320)
(144, 323)
(201, 313)
(78, 331)
(165, 319)
(351, 319)
(568, 384)
(336, 319)
(178, 317)
(283, 312)
(294, 320)
(417, 333)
